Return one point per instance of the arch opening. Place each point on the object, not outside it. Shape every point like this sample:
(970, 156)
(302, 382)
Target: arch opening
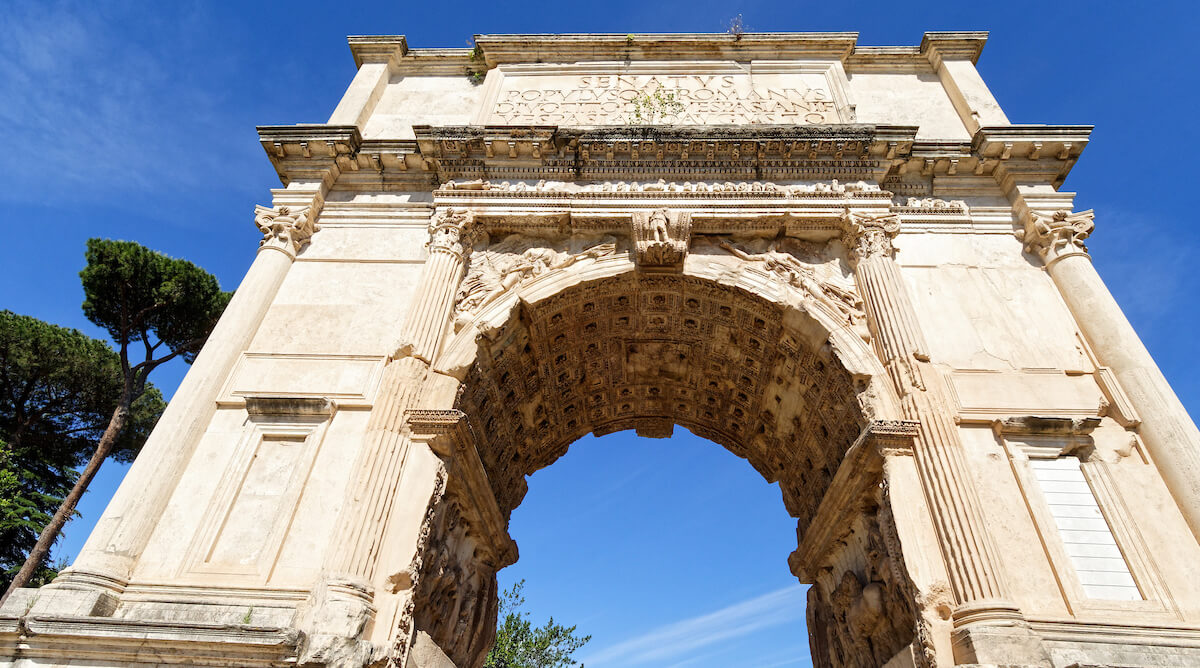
(648, 351)
(607, 346)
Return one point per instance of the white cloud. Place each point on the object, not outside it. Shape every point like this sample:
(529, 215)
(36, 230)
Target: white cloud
(680, 641)
(99, 102)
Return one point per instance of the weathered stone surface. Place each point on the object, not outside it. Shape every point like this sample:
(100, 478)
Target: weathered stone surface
(840, 262)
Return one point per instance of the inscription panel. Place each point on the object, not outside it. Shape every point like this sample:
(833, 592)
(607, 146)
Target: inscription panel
(789, 92)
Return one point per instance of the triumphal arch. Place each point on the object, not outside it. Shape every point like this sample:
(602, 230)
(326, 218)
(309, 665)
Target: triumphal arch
(841, 262)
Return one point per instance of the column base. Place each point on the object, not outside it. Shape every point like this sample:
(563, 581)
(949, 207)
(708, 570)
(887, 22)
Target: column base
(995, 633)
(340, 611)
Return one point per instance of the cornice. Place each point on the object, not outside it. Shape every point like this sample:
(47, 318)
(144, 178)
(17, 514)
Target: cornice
(376, 48)
(492, 50)
(438, 62)
(953, 45)
(888, 59)
(570, 48)
(1012, 155)
(1024, 154)
(309, 152)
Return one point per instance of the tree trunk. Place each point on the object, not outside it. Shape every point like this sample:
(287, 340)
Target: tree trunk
(42, 549)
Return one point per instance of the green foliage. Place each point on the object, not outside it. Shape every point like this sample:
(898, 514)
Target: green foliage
(58, 390)
(142, 296)
(649, 107)
(520, 645)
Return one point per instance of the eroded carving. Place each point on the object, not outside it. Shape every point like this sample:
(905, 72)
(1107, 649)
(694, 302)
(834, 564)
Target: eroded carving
(935, 204)
(862, 610)
(661, 236)
(869, 235)
(1058, 234)
(517, 258)
(840, 301)
(453, 584)
(284, 227)
(452, 230)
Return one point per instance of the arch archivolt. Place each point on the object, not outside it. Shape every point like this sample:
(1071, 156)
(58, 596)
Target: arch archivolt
(751, 337)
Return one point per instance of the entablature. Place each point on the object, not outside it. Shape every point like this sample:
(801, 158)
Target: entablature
(1012, 155)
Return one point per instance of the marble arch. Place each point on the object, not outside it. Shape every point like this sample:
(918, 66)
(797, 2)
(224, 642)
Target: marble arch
(842, 262)
(740, 357)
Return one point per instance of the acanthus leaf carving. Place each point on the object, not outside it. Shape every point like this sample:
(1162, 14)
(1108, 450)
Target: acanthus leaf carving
(1058, 234)
(452, 230)
(868, 235)
(285, 228)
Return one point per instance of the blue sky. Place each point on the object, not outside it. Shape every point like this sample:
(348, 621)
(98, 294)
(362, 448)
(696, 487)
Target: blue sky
(136, 121)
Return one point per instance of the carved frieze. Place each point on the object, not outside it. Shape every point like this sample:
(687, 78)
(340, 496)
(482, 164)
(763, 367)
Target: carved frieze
(544, 188)
(661, 236)
(284, 227)
(1058, 234)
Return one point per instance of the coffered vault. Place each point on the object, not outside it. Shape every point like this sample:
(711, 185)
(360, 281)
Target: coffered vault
(843, 263)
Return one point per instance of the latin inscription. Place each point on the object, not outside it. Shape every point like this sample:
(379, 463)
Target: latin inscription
(676, 99)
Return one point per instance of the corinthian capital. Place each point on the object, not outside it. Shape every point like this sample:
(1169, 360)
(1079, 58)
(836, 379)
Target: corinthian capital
(1058, 234)
(284, 228)
(452, 231)
(868, 235)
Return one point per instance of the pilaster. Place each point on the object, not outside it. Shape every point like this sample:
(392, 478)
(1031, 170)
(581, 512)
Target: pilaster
(971, 560)
(380, 478)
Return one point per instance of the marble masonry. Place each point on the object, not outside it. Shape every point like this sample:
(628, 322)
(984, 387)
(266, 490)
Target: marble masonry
(841, 262)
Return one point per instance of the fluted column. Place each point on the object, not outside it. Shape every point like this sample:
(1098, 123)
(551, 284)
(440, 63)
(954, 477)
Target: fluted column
(1167, 430)
(364, 519)
(112, 549)
(968, 551)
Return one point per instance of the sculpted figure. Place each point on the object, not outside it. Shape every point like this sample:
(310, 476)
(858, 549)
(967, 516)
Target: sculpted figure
(800, 276)
(507, 264)
(658, 226)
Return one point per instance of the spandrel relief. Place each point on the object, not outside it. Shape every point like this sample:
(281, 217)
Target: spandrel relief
(802, 266)
(518, 258)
